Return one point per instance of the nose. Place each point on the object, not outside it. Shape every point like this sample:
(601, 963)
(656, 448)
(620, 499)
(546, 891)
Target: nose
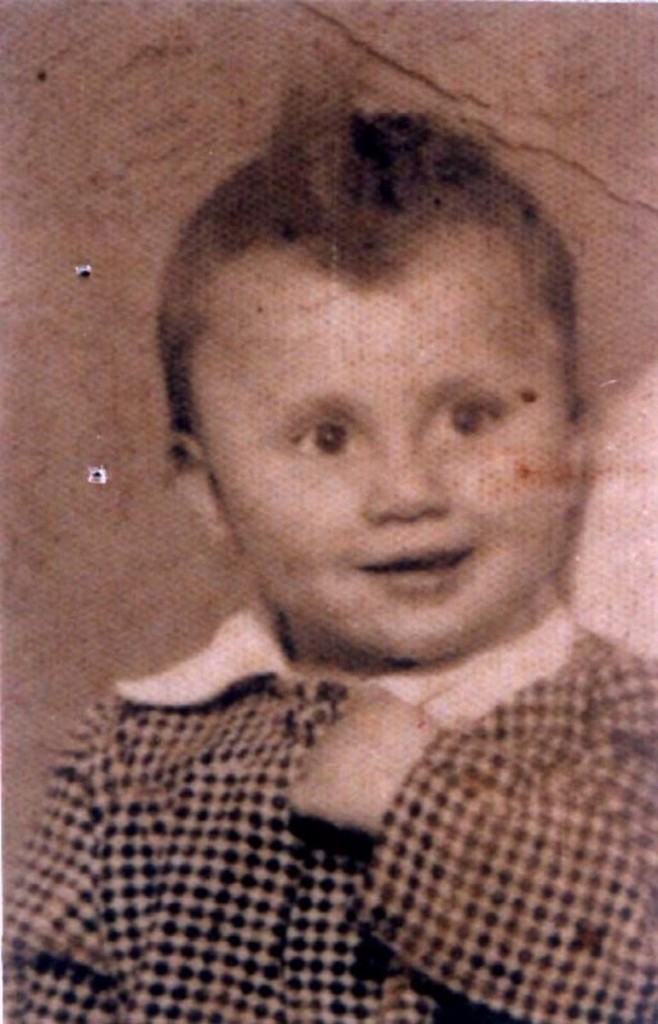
(405, 486)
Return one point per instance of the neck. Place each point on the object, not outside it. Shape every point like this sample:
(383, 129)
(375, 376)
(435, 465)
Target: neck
(328, 658)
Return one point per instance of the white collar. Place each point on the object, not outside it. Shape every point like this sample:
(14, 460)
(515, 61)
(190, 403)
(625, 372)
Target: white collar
(469, 689)
(244, 646)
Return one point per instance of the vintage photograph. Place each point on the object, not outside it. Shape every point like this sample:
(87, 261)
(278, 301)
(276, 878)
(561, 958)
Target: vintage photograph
(331, 467)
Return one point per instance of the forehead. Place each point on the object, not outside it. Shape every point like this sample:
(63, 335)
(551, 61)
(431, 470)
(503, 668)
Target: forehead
(459, 297)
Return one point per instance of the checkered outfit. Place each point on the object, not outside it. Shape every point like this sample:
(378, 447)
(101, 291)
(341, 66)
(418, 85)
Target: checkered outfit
(514, 879)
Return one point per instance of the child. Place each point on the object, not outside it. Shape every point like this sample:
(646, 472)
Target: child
(403, 786)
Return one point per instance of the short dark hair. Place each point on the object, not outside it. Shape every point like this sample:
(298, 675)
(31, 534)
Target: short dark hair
(356, 192)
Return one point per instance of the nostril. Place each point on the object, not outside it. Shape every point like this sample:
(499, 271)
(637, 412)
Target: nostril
(406, 496)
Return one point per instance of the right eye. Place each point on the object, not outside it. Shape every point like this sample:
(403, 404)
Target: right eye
(328, 438)
(474, 416)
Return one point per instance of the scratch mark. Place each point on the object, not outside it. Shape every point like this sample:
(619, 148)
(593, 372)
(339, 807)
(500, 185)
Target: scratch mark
(460, 97)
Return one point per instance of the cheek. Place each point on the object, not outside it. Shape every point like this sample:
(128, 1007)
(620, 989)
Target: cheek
(520, 476)
(278, 533)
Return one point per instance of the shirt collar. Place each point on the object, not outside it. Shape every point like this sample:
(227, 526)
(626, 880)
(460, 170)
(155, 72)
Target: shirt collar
(244, 645)
(471, 688)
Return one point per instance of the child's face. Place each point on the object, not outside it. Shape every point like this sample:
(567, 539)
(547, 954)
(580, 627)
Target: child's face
(395, 462)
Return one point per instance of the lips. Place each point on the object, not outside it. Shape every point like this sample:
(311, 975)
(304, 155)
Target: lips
(444, 558)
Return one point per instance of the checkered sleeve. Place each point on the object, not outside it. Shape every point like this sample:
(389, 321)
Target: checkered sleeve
(518, 869)
(54, 963)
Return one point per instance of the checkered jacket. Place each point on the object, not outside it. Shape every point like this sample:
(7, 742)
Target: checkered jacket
(514, 879)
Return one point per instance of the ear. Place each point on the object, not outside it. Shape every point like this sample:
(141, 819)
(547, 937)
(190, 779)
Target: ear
(579, 454)
(193, 482)
(579, 467)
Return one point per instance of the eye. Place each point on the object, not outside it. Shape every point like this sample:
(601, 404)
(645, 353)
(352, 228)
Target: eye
(328, 437)
(473, 416)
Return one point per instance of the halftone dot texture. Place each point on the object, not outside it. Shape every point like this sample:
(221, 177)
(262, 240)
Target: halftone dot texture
(118, 120)
(514, 880)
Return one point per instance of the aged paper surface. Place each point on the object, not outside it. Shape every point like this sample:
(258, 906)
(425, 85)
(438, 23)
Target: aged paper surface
(118, 119)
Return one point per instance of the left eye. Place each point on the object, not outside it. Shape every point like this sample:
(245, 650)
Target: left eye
(474, 417)
(328, 438)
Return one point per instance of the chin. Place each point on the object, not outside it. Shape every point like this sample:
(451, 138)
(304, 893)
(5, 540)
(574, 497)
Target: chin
(418, 650)
(426, 655)
(434, 643)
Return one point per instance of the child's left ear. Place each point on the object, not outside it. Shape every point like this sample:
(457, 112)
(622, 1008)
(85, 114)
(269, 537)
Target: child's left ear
(579, 457)
(193, 481)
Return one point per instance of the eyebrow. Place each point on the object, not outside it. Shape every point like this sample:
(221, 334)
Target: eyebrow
(350, 407)
(329, 404)
(456, 385)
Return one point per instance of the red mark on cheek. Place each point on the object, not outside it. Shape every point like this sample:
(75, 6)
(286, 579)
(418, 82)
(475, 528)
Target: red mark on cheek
(561, 475)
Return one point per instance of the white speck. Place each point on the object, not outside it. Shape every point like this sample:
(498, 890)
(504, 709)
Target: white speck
(607, 383)
(97, 475)
(84, 270)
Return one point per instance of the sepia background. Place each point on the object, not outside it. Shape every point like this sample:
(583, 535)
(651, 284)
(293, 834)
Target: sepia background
(117, 118)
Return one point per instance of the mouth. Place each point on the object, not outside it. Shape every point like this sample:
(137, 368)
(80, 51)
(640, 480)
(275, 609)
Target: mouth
(427, 562)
